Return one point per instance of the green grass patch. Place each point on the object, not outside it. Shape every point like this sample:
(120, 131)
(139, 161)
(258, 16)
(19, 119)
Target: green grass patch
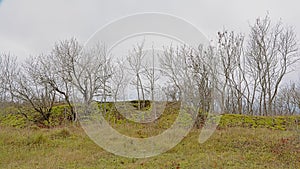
(270, 122)
(13, 120)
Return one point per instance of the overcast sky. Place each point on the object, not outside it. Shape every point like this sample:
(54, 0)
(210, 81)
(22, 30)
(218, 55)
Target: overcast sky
(30, 27)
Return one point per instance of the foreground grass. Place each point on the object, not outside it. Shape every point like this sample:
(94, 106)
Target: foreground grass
(233, 147)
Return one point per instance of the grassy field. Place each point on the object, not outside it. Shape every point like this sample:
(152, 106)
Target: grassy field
(229, 147)
(239, 142)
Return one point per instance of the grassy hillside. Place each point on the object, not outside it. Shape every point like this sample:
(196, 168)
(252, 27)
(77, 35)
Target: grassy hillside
(69, 147)
(239, 142)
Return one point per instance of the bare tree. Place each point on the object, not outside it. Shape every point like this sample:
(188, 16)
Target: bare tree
(173, 65)
(235, 84)
(107, 72)
(31, 89)
(119, 79)
(8, 71)
(135, 60)
(57, 70)
(201, 66)
(151, 75)
(272, 49)
(286, 102)
(171, 92)
(193, 73)
(90, 73)
(297, 96)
